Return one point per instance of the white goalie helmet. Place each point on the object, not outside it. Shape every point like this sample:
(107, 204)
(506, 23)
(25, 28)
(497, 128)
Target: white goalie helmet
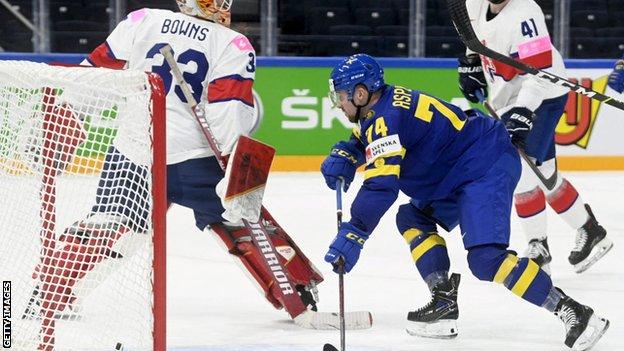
(217, 11)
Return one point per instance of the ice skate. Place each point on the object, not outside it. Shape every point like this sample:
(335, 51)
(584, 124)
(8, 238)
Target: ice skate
(538, 251)
(437, 319)
(583, 327)
(591, 244)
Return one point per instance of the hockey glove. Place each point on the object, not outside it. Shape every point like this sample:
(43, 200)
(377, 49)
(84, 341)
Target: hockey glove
(471, 77)
(616, 78)
(342, 162)
(347, 244)
(518, 121)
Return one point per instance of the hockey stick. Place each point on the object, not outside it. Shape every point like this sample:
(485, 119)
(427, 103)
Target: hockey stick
(260, 236)
(330, 347)
(461, 20)
(302, 317)
(550, 182)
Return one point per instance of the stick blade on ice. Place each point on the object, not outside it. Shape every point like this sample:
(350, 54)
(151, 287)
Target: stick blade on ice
(356, 320)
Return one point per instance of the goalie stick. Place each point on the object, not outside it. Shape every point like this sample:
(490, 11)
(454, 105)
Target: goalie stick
(303, 317)
(461, 20)
(550, 182)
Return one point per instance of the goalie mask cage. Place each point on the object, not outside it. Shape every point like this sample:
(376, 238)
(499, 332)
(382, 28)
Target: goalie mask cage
(82, 208)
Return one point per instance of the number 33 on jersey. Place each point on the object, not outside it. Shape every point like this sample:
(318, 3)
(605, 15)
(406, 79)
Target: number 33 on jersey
(218, 64)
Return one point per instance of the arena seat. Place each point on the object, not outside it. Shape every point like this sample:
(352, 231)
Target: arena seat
(582, 5)
(444, 47)
(441, 31)
(613, 47)
(375, 17)
(586, 47)
(76, 42)
(392, 31)
(589, 19)
(349, 45)
(610, 32)
(615, 6)
(394, 46)
(350, 29)
(319, 19)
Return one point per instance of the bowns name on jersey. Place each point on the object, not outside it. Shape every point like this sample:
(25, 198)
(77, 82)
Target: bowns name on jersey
(184, 28)
(383, 147)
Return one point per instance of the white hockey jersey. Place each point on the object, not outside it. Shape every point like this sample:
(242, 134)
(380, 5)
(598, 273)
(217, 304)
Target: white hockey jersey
(518, 31)
(218, 63)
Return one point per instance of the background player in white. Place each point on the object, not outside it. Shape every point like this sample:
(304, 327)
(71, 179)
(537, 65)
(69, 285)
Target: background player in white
(219, 65)
(517, 28)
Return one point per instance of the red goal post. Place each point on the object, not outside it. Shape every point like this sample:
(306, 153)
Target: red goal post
(82, 207)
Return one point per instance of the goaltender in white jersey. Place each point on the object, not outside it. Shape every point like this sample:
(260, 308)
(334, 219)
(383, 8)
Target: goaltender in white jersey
(219, 66)
(217, 62)
(530, 105)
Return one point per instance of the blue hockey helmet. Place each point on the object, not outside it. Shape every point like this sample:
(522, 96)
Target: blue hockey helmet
(352, 71)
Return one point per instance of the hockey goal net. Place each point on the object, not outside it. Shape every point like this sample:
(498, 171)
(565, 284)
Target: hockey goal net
(82, 208)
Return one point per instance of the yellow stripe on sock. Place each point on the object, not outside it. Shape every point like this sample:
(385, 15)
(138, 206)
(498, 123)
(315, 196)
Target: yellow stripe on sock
(410, 234)
(505, 268)
(426, 245)
(529, 274)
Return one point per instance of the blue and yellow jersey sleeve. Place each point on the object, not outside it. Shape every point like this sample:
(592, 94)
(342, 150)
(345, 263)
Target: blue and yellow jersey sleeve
(384, 154)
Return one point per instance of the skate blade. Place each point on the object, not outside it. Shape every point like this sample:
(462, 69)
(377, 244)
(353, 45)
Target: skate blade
(443, 329)
(596, 254)
(596, 328)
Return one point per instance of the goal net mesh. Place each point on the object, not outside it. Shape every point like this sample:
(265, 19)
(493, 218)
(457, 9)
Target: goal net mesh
(76, 203)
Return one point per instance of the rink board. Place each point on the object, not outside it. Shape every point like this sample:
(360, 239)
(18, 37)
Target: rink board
(297, 118)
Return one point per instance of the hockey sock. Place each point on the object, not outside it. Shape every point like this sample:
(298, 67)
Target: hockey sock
(493, 262)
(568, 204)
(524, 278)
(429, 254)
(530, 207)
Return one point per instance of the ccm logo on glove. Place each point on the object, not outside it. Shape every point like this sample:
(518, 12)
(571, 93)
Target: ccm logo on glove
(344, 154)
(354, 237)
(347, 244)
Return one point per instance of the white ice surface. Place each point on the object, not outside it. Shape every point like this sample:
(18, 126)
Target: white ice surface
(213, 306)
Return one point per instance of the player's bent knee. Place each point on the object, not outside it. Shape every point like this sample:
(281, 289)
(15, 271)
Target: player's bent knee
(488, 262)
(408, 217)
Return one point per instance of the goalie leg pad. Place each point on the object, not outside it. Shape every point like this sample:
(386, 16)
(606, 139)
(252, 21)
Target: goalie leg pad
(303, 269)
(238, 242)
(83, 247)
